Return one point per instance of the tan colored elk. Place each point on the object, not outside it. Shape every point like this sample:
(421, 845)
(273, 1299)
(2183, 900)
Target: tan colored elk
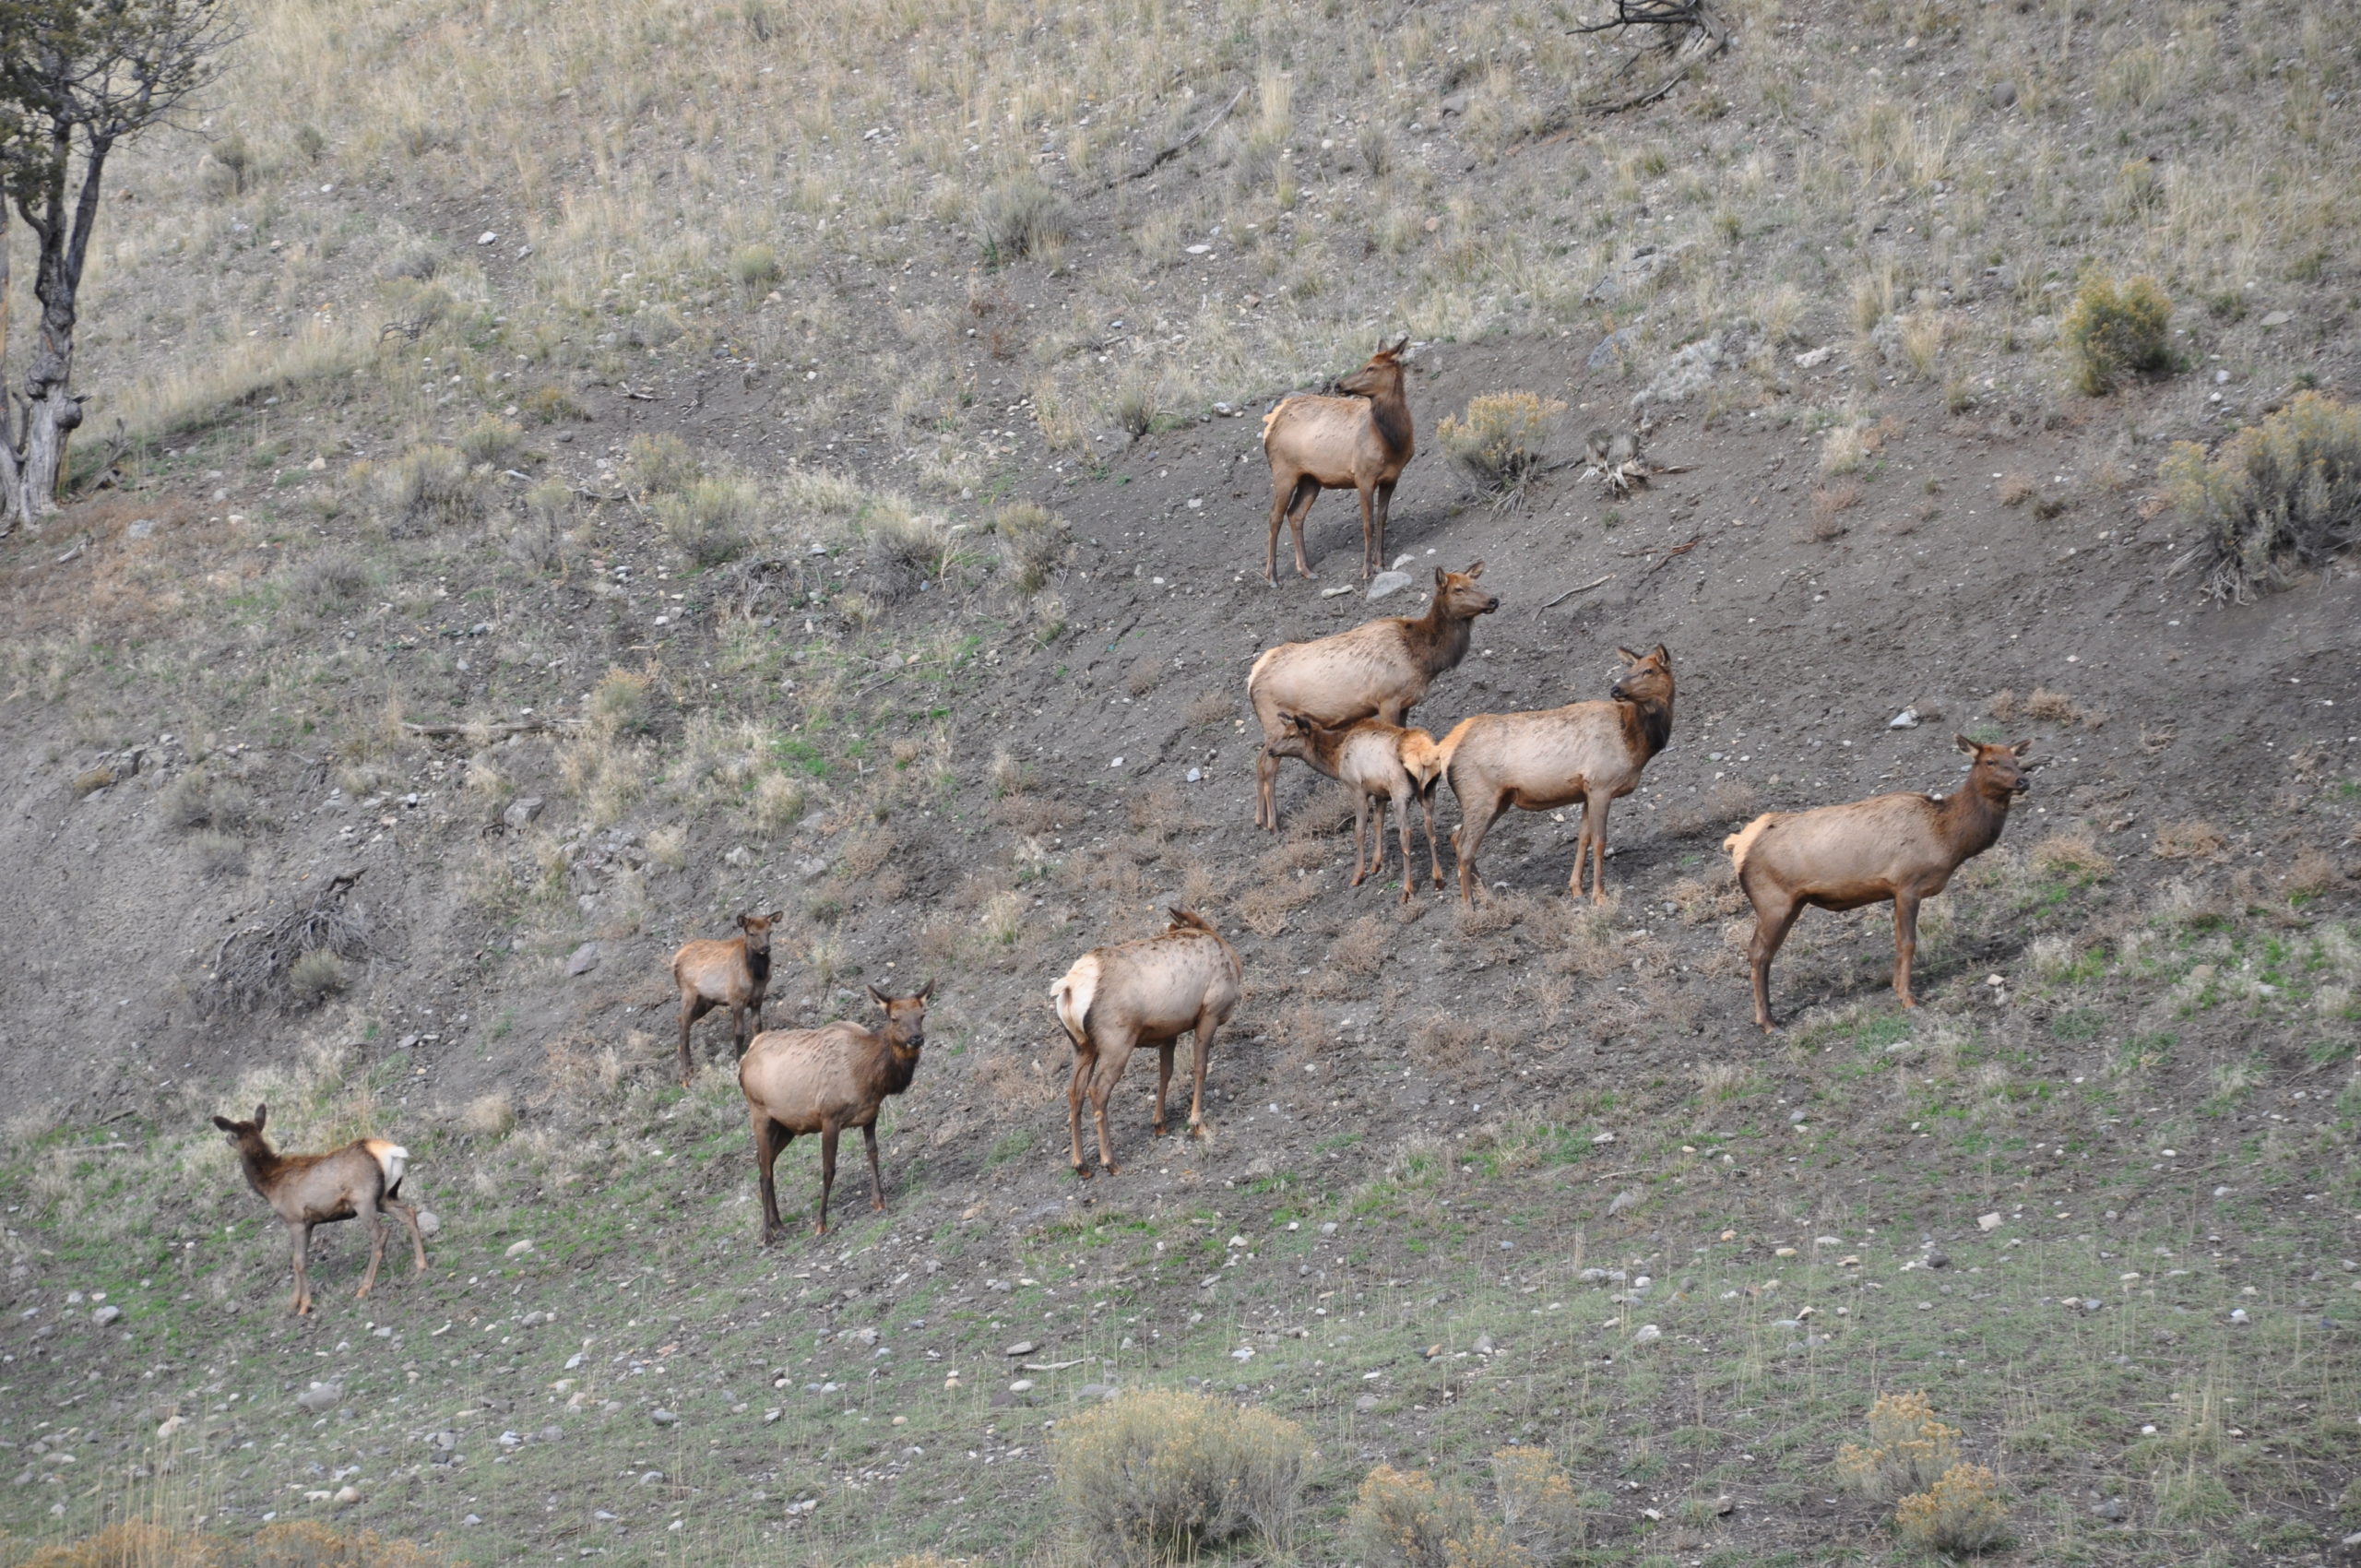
(1147, 992)
(1586, 752)
(1381, 668)
(1375, 761)
(306, 1189)
(1364, 440)
(823, 1081)
(1903, 848)
(733, 974)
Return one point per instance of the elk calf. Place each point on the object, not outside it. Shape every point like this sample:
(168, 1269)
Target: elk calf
(823, 1081)
(1375, 761)
(1902, 848)
(306, 1189)
(1586, 752)
(1362, 441)
(1378, 669)
(1148, 992)
(733, 974)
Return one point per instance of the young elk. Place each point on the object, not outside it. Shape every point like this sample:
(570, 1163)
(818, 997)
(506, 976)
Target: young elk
(1902, 848)
(823, 1081)
(1375, 761)
(732, 974)
(1381, 668)
(1590, 751)
(1148, 992)
(1364, 440)
(306, 1189)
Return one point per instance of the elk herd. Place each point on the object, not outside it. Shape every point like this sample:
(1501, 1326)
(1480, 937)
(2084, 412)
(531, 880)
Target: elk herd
(1338, 704)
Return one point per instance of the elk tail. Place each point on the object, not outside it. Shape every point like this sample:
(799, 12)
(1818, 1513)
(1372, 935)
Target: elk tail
(1741, 843)
(391, 1158)
(1073, 994)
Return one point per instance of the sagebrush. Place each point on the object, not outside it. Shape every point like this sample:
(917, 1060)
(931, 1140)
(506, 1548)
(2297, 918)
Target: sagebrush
(1159, 1475)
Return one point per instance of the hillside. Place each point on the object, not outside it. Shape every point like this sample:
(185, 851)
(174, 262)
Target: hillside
(625, 470)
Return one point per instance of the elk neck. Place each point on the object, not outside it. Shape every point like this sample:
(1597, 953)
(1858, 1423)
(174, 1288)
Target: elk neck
(262, 1164)
(758, 966)
(892, 1065)
(1439, 640)
(1647, 724)
(1389, 411)
(1972, 815)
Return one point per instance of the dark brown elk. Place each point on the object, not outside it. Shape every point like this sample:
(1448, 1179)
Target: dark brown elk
(733, 974)
(1374, 761)
(1381, 668)
(1362, 441)
(1903, 848)
(823, 1081)
(304, 1190)
(1587, 752)
(1147, 992)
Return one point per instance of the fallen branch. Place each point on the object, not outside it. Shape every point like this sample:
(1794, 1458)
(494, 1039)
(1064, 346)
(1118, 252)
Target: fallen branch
(1667, 555)
(489, 731)
(1192, 139)
(1572, 591)
(1689, 32)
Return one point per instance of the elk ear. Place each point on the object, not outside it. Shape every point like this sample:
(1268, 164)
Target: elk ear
(262, 1114)
(880, 997)
(1662, 655)
(1395, 352)
(2023, 748)
(1474, 570)
(1964, 743)
(922, 992)
(1628, 657)
(226, 1126)
(741, 921)
(775, 916)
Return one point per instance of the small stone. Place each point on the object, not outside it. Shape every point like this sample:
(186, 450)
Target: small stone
(1386, 583)
(1022, 1348)
(1483, 1345)
(347, 1494)
(585, 959)
(2004, 95)
(488, 236)
(429, 1222)
(739, 856)
(140, 528)
(551, 1434)
(1193, 776)
(106, 1316)
(519, 1249)
(2277, 318)
(663, 1418)
(2239, 1314)
(770, 1415)
(1022, 1385)
(1648, 1334)
(170, 1425)
(1628, 1198)
(2112, 1510)
(1906, 720)
(1987, 1222)
(471, 1519)
(1197, 250)
(522, 811)
(1812, 359)
(1939, 1260)
(532, 1320)
(320, 1396)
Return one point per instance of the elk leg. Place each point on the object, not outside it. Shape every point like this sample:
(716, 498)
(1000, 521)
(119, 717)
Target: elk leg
(1434, 853)
(408, 1216)
(827, 1173)
(1360, 837)
(1306, 490)
(692, 1009)
(1281, 500)
(377, 1254)
(1771, 922)
(876, 1181)
(1369, 530)
(738, 1035)
(1402, 825)
(1468, 838)
(767, 1143)
(302, 1235)
(1203, 1045)
(1905, 944)
(1101, 1086)
(1163, 1080)
(1084, 1066)
(1385, 506)
(1595, 829)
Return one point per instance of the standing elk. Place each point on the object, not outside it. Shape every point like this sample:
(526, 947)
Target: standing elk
(1147, 992)
(1379, 669)
(1375, 761)
(306, 1189)
(1590, 751)
(1903, 848)
(823, 1081)
(733, 974)
(1364, 440)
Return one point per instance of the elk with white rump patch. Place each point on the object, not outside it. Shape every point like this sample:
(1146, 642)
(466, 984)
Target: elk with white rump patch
(306, 1189)
(1375, 761)
(1901, 847)
(1149, 992)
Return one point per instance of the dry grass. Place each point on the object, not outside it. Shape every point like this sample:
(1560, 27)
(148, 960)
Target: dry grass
(2281, 497)
(1158, 1476)
(1210, 708)
(2073, 853)
(2058, 707)
(1362, 948)
(491, 1115)
(1499, 438)
(2195, 839)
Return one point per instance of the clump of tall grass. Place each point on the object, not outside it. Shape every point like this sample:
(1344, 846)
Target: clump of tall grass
(2279, 496)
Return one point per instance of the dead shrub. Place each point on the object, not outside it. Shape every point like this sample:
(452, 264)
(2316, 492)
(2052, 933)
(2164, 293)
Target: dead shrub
(1908, 1449)
(1443, 1043)
(1401, 1519)
(2072, 854)
(1698, 899)
(1210, 708)
(1033, 543)
(2196, 839)
(2004, 706)
(1158, 811)
(196, 800)
(1959, 1515)
(1361, 950)
(2313, 873)
(1302, 1027)
(1145, 673)
(1158, 1476)
(2056, 708)
(2281, 497)
(1499, 440)
(865, 854)
(1729, 804)
(491, 1115)
(1266, 906)
(2016, 489)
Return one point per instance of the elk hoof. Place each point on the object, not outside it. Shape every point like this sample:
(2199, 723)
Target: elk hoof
(1156, 1129)
(771, 1234)
(1112, 1169)
(1909, 1001)
(820, 1229)
(1082, 1172)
